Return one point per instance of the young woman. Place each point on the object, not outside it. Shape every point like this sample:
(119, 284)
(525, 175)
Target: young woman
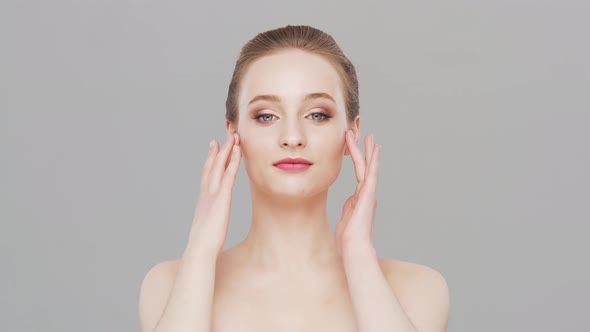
(292, 114)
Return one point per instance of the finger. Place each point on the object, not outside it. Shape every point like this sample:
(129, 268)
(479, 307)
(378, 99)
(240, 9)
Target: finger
(236, 143)
(357, 191)
(369, 146)
(368, 192)
(373, 167)
(356, 155)
(208, 164)
(229, 177)
(220, 163)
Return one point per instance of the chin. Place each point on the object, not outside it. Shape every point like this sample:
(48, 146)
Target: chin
(297, 187)
(294, 186)
(295, 193)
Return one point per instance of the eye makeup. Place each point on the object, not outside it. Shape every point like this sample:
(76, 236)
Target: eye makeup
(325, 116)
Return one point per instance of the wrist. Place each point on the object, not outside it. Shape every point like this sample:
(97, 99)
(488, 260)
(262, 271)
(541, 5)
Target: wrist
(353, 249)
(196, 246)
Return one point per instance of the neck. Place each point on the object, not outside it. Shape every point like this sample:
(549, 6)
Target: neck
(290, 234)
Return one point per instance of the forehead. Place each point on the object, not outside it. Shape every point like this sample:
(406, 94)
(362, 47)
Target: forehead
(290, 74)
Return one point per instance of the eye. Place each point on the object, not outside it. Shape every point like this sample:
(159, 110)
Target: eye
(322, 116)
(268, 117)
(319, 116)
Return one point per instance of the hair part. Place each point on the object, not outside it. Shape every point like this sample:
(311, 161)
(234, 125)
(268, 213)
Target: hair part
(300, 37)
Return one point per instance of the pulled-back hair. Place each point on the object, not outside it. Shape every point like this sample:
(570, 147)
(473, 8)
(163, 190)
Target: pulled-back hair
(300, 37)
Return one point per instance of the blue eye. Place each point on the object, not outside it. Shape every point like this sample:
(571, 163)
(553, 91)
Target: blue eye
(323, 117)
(261, 115)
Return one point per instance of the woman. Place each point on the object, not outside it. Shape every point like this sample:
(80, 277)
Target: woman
(293, 95)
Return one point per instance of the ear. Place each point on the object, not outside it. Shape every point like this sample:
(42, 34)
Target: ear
(355, 127)
(230, 128)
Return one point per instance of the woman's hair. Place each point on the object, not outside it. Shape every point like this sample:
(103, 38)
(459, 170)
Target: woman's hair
(301, 37)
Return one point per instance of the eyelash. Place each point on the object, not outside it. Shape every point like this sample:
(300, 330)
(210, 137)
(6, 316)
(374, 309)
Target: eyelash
(325, 116)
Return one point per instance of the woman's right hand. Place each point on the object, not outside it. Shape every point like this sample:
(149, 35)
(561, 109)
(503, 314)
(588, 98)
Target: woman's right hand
(212, 211)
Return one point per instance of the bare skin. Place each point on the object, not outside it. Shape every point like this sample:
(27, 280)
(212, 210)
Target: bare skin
(250, 299)
(291, 272)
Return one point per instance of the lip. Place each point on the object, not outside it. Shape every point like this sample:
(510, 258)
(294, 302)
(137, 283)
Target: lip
(293, 161)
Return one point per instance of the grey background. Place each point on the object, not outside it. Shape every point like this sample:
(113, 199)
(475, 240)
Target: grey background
(482, 108)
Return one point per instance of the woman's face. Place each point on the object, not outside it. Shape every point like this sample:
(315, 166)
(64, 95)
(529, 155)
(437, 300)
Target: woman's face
(304, 118)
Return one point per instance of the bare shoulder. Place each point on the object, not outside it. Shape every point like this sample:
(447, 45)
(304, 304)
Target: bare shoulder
(399, 268)
(422, 292)
(154, 292)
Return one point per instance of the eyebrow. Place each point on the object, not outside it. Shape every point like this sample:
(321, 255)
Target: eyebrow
(277, 99)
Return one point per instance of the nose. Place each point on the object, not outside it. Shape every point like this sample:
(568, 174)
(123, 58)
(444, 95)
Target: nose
(292, 136)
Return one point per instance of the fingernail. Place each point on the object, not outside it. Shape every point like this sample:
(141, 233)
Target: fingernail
(211, 144)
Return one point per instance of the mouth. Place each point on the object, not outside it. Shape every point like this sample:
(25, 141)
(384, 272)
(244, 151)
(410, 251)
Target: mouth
(293, 164)
(293, 167)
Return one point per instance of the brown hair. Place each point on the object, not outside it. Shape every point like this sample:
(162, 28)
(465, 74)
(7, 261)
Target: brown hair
(301, 37)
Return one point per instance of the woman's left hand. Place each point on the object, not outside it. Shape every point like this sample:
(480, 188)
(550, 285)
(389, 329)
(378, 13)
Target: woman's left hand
(355, 227)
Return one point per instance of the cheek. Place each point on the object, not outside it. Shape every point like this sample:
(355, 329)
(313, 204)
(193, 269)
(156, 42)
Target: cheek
(336, 145)
(252, 146)
(332, 152)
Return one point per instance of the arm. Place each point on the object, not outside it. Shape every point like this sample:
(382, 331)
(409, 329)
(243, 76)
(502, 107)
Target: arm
(376, 306)
(426, 296)
(189, 306)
